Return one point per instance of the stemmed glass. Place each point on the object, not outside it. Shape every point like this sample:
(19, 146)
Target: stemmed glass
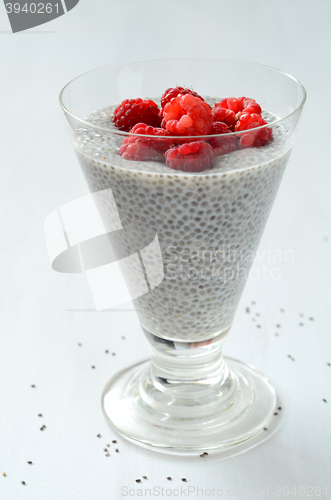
(185, 245)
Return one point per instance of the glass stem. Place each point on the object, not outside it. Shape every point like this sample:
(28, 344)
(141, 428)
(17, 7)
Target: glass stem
(187, 370)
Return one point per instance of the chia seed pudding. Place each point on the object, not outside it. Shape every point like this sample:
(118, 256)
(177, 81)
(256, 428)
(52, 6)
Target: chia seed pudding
(209, 224)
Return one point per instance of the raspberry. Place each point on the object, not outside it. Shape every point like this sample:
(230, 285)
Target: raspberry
(146, 149)
(173, 92)
(219, 127)
(226, 116)
(252, 138)
(133, 111)
(191, 157)
(240, 104)
(222, 145)
(187, 115)
(251, 106)
(233, 103)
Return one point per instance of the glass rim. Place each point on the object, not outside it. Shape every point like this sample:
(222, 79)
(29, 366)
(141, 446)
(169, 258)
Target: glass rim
(195, 137)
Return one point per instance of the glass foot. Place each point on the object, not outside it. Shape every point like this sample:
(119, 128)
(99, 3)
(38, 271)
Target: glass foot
(228, 417)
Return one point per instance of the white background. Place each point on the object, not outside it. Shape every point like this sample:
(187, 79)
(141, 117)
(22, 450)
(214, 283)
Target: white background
(41, 319)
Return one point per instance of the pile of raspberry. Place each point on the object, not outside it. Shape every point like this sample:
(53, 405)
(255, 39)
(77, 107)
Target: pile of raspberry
(184, 113)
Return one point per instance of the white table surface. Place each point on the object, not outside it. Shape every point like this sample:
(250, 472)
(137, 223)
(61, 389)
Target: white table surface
(46, 314)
